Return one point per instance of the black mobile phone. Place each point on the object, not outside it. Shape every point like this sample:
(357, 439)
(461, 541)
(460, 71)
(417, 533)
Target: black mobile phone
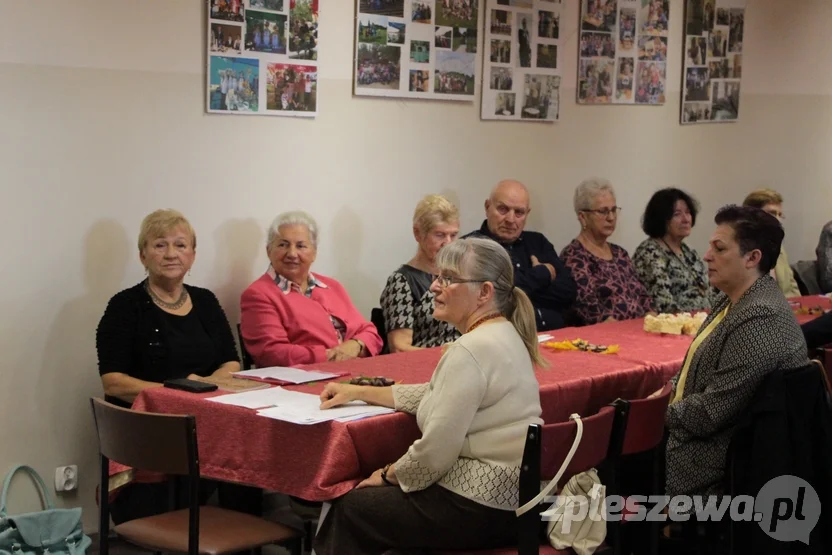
(190, 385)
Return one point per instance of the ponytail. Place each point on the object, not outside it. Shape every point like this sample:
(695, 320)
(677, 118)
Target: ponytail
(522, 317)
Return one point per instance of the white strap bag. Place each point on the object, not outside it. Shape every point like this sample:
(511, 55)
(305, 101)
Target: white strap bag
(576, 519)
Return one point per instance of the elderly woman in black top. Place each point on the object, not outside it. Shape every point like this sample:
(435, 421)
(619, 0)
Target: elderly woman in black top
(162, 329)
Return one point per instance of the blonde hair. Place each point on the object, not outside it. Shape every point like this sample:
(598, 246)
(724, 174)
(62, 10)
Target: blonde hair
(761, 197)
(432, 211)
(487, 260)
(159, 223)
(588, 190)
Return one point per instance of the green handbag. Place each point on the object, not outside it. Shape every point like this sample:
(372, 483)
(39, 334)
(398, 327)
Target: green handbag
(57, 531)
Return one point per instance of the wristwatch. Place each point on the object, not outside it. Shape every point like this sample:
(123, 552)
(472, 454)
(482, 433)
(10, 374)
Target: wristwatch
(384, 475)
(361, 345)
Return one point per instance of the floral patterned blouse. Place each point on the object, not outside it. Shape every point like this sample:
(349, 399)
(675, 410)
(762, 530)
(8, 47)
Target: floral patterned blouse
(677, 282)
(606, 288)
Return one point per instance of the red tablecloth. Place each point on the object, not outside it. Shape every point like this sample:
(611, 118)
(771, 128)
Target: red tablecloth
(323, 461)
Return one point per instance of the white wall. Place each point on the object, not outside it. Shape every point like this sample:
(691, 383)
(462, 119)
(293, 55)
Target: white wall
(101, 121)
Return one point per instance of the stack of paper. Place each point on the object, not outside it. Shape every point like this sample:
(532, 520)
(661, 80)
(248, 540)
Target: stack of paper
(285, 375)
(297, 407)
(256, 399)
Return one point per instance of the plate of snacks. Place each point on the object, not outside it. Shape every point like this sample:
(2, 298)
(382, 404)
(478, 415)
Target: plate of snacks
(581, 345)
(675, 324)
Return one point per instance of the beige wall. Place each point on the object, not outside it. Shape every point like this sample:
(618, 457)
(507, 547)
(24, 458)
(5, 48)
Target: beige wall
(101, 120)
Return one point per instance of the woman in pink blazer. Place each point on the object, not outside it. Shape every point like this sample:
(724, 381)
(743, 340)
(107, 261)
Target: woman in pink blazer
(290, 316)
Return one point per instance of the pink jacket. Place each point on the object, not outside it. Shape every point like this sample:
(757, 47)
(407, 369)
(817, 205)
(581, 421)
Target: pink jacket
(287, 329)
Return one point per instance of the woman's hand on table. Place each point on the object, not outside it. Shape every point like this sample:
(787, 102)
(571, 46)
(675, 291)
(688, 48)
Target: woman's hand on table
(336, 394)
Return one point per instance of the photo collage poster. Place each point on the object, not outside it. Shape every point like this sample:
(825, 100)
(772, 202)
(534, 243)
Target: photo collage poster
(713, 60)
(263, 57)
(416, 48)
(521, 69)
(623, 51)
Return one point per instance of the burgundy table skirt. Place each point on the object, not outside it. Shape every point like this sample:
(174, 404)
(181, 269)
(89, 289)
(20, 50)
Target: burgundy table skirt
(324, 461)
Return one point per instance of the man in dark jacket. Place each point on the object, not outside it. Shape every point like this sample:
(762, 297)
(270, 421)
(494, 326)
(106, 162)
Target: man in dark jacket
(537, 269)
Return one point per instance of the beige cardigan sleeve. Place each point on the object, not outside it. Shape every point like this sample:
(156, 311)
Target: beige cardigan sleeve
(784, 275)
(458, 390)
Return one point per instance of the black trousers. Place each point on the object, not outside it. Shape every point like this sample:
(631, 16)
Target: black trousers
(387, 521)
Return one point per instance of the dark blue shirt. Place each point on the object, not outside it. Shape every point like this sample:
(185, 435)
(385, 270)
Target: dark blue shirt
(550, 297)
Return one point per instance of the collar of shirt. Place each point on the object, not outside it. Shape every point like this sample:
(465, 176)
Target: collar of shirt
(287, 286)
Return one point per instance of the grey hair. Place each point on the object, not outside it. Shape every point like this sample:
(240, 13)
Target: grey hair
(486, 260)
(588, 190)
(295, 217)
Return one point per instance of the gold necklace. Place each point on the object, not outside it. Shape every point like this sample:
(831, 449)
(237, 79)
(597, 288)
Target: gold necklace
(176, 305)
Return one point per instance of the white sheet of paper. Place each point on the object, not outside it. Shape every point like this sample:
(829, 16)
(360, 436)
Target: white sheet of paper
(257, 399)
(292, 375)
(304, 408)
(544, 337)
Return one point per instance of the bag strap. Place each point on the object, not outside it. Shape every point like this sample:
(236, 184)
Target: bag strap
(47, 501)
(554, 483)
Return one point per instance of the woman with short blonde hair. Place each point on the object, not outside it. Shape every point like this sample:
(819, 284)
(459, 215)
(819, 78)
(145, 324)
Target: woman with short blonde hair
(163, 329)
(406, 301)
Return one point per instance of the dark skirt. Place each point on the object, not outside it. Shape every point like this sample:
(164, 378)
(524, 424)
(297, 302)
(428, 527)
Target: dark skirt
(386, 521)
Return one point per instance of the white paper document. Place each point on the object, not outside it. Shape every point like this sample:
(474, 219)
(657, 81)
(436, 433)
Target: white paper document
(291, 375)
(544, 337)
(304, 408)
(257, 399)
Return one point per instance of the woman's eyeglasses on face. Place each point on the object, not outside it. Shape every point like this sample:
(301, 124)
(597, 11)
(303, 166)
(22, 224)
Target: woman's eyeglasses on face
(445, 281)
(605, 212)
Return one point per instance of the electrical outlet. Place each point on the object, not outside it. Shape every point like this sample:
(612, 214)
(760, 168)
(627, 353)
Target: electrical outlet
(66, 478)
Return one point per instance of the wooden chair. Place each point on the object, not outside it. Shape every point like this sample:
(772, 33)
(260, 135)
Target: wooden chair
(248, 362)
(643, 434)
(377, 318)
(167, 444)
(545, 450)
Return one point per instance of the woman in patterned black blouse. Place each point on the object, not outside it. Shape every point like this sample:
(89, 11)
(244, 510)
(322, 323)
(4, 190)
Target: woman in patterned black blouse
(407, 301)
(673, 273)
(608, 288)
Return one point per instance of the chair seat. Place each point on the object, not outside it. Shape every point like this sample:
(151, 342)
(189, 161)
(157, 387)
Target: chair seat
(220, 531)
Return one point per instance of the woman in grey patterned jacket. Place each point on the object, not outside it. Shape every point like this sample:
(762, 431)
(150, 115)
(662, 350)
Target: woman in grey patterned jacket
(751, 332)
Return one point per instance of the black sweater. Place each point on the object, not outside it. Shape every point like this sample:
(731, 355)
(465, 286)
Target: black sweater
(131, 336)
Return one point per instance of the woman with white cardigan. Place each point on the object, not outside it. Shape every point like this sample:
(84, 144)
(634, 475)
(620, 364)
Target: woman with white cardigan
(457, 486)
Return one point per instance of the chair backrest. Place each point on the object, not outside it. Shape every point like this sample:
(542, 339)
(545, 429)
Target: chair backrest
(545, 450)
(557, 439)
(806, 275)
(645, 423)
(156, 442)
(377, 318)
(248, 362)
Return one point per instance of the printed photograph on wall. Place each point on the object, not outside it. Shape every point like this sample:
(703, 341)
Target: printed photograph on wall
(417, 48)
(253, 51)
(614, 35)
(520, 63)
(711, 78)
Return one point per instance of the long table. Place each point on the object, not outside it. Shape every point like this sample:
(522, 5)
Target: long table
(324, 461)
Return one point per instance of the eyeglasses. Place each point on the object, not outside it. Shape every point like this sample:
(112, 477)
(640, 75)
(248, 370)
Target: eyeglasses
(604, 212)
(445, 281)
